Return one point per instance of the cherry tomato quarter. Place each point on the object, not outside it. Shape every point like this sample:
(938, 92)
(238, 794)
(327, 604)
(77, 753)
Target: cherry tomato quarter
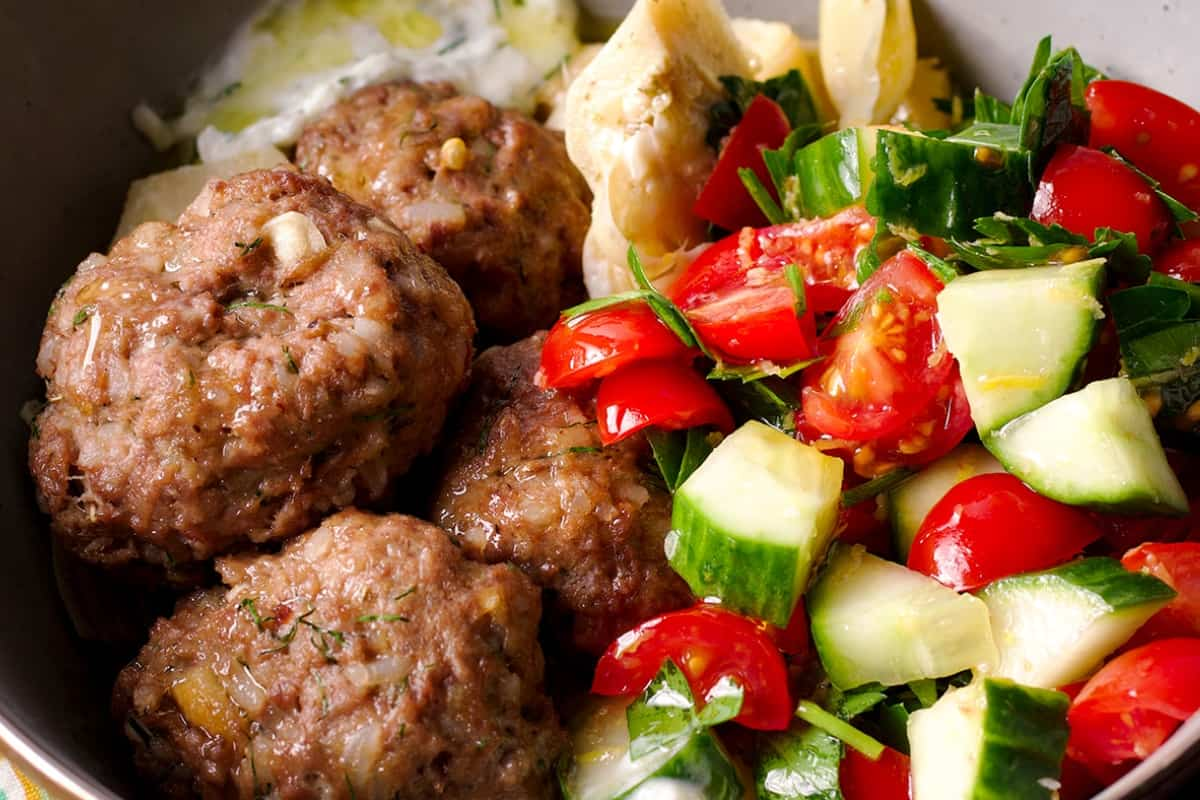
(1181, 260)
(665, 394)
(992, 526)
(886, 358)
(707, 643)
(582, 348)
(1084, 189)
(724, 199)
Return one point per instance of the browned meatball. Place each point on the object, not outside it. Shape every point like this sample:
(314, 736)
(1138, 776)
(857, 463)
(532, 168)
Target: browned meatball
(490, 194)
(369, 659)
(279, 353)
(528, 482)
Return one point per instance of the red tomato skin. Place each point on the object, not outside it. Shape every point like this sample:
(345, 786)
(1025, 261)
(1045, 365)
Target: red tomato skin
(794, 639)
(707, 643)
(1158, 133)
(1181, 260)
(724, 199)
(580, 349)
(664, 394)
(886, 359)
(1177, 565)
(886, 778)
(1133, 704)
(992, 526)
(1084, 189)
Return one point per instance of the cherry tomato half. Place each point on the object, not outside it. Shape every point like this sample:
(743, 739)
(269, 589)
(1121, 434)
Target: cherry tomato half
(724, 199)
(992, 526)
(886, 778)
(1181, 260)
(707, 643)
(591, 345)
(665, 394)
(1133, 704)
(1155, 131)
(737, 295)
(1177, 565)
(886, 356)
(1084, 189)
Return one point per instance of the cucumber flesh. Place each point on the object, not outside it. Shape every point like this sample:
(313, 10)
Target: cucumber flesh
(751, 522)
(990, 740)
(1020, 335)
(600, 767)
(909, 502)
(876, 621)
(1054, 627)
(1095, 447)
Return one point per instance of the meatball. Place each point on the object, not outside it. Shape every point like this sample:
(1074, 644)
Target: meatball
(279, 353)
(490, 194)
(528, 482)
(368, 659)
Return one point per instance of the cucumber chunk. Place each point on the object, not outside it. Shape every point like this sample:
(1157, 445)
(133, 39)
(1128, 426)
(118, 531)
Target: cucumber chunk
(990, 740)
(1095, 447)
(940, 187)
(1020, 335)
(875, 621)
(909, 502)
(600, 767)
(1055, 627)
(751, 522)
(834, 172)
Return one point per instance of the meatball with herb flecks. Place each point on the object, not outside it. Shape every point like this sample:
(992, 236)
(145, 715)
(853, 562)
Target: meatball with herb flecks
(489, 193)
(277, 354)
(528, 482)
(368, 659)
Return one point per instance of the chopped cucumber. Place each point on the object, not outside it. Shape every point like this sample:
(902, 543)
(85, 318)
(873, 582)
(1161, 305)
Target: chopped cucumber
(752, 521)
(600, 767)
(941, 186)
(834, 172)
(1094, 447)
(1055, 627)
(1020, 335)
(799, 764)
(909, 502)
(990, 740)
(875, 621)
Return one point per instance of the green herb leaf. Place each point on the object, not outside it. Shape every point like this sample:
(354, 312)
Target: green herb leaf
(769, 400)
(249, 247)
(848, 705)
(599, 303)
(802, 762)
(663, 713)
(748, 373)
(796, 280)
(292, 366)
(81, 316)
(944, 271)
(258, 305)
(876, 486)
(722, 703)
(1050, 108)
(761, 196)
(925, 691)
(250, 607)
(818, 717)
(990, 109)
(679, 453)
(789, 90)
(383, 618)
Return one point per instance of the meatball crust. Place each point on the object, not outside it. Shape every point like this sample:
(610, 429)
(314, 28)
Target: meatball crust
(279, 353)
(489, 193)
(527, 481)
(369, 659)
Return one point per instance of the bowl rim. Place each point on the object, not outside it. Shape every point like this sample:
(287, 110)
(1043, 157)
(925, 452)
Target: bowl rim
(47, 769)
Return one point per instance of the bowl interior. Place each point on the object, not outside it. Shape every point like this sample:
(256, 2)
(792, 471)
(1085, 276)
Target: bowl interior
(68, 152)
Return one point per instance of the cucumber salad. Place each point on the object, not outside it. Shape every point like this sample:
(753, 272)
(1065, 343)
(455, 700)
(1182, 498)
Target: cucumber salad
(921, 369)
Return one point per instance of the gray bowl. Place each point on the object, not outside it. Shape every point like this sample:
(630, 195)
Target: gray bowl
(75, 68)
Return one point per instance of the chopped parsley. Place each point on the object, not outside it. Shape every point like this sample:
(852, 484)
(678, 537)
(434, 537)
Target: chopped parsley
(248, 247)
(258, 305)
(292, 366)
(81, 316)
